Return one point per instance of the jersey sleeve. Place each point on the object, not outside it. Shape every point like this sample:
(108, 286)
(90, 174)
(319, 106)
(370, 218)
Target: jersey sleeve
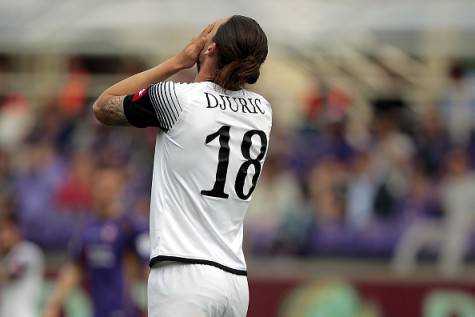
(159, 105)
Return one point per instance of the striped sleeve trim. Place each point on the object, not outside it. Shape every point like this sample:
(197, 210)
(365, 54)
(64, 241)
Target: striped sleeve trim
(166, 104)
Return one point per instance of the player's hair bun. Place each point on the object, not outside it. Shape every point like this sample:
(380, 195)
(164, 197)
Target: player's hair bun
(242, 48)
(239, 72)
(249, 69)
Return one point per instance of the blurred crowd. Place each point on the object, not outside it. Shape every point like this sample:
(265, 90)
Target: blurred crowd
(407, 190)
(321, 193)
(51, 155)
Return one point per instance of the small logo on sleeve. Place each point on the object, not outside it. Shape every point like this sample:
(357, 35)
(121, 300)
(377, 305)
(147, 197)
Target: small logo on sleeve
(139, 95)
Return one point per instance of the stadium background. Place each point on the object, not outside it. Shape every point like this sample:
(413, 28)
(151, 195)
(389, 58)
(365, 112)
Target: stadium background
(367, 200)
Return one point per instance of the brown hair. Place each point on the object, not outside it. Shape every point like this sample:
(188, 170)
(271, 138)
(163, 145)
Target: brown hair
(242, 48)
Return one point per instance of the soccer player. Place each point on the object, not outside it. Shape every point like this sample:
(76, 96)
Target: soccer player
(99, 253)
(21, 271)
(208, 157)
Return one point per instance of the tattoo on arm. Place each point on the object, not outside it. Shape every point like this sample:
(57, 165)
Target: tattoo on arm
(111, 112)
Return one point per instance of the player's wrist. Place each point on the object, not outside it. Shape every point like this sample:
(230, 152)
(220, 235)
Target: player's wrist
(178, 63)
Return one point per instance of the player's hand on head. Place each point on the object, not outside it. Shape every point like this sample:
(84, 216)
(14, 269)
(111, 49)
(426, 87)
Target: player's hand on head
(190, 54)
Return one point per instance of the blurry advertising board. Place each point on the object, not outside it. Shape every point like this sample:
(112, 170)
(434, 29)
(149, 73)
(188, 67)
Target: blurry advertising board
(358, 298)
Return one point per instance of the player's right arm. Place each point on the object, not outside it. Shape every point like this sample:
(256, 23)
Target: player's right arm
(109, 107)
(69, 278)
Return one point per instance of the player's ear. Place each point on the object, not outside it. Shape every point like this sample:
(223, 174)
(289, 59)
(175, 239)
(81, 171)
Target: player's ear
(211, 50)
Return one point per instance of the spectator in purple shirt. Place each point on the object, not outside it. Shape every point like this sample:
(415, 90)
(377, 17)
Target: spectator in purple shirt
(99, 252)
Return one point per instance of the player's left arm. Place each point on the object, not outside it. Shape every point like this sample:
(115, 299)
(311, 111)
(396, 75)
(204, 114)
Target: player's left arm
(109, 107)
(69, 278)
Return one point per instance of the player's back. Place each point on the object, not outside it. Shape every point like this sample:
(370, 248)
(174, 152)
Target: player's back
(206, 168)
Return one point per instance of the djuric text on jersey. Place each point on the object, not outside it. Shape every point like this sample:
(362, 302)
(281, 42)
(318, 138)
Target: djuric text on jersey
(235, 104)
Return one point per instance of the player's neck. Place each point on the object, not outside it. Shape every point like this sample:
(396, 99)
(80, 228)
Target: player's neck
(207, 72)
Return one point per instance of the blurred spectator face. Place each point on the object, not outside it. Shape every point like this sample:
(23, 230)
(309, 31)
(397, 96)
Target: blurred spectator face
(335, 127)
(41, 156)
(83, 165)
(72, 98)
(313, 103)
(107, 190)
(361, 164)
(74, 193)
(431, 124)
(51, 121)
(383, 125)
(420, 186)
(457, 163)
(325, 183)
(9, 235)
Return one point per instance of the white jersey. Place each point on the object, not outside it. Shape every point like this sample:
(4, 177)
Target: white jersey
(206, 167)
(20, 292)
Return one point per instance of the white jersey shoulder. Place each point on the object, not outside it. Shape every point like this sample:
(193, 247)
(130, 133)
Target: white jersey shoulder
(206, 167)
